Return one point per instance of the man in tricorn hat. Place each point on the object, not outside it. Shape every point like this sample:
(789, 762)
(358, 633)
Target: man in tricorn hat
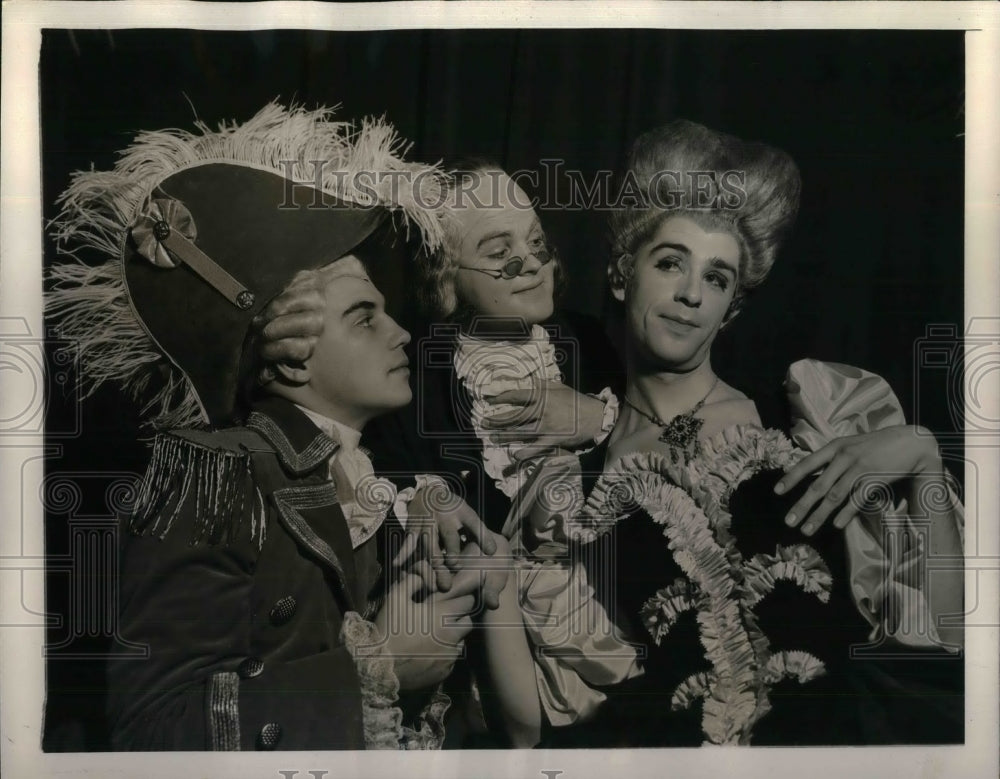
(253, 565)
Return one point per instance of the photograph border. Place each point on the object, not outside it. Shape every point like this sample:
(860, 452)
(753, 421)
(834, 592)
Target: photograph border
(22, 611)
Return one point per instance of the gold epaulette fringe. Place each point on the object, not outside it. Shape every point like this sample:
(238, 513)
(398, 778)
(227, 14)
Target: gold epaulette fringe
(214, 483)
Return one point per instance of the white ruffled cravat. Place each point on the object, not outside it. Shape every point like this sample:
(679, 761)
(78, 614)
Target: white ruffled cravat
(364, 498)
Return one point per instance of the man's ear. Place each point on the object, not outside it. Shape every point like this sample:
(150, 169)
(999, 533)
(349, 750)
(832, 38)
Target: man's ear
(293, 373)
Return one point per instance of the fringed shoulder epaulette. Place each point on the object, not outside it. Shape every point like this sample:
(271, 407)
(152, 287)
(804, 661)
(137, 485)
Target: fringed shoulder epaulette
(207, 475)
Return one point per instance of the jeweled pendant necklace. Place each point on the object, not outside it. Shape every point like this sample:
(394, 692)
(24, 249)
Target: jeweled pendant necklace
(682, 431)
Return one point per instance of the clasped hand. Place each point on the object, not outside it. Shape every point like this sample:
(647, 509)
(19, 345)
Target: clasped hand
(424, 632)
(443, 585)
(433, 546)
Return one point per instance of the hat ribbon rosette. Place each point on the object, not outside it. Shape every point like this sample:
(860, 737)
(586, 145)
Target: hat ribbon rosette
(165, 233)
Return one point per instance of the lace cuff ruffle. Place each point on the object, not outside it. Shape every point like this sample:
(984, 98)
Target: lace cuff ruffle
(608, 420)
(382, 719)
(428, 732)
(401, 506)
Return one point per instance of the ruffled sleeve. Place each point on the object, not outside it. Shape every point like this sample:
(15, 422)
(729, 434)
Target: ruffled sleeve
(490, 368)
(830, 401)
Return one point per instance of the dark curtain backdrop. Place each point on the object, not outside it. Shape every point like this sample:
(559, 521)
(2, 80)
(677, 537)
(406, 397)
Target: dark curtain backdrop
(874, 120)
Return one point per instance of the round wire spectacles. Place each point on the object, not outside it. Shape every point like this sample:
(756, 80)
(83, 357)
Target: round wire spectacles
(512, 268)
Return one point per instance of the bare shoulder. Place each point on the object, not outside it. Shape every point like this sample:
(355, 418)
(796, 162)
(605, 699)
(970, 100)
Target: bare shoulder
(728, 406)
(726, 393)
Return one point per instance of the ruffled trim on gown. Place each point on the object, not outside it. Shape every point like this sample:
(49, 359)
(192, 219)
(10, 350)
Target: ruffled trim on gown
(690, 501)
(732, 694)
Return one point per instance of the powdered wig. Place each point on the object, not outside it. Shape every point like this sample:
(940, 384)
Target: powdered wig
(438, 267)
(719, 180)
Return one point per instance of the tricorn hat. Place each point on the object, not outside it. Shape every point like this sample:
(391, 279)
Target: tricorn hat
(198, 231)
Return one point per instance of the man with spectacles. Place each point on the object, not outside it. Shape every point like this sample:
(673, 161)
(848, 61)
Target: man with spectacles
(497, 256)
(499, 368)
(499, 376)
(513, 267)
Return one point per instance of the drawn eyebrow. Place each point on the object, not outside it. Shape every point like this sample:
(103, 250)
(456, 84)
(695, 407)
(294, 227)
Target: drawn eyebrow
(718, 262)
(668, 245)
(715, 262)
(367, 305)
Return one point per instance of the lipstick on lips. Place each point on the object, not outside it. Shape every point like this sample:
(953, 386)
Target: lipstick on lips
(679, 325)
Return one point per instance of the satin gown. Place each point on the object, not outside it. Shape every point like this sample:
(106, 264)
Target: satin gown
(748, 632)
